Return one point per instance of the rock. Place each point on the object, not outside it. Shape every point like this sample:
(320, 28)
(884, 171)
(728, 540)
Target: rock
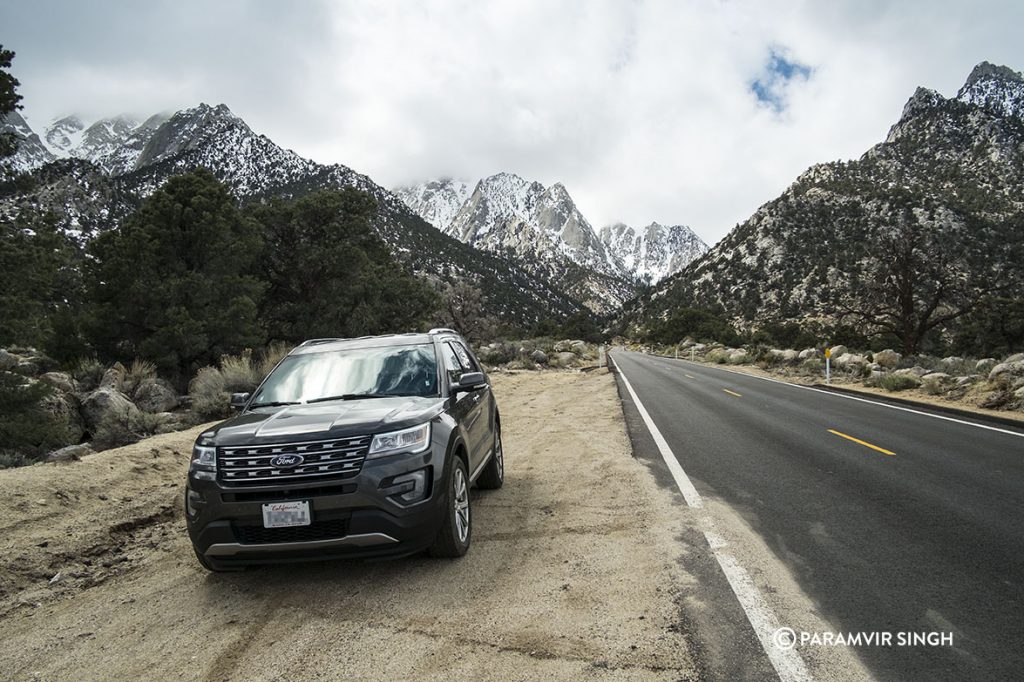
(985, 365)
(1016, 357)
(698, 347)
(1019, 393)
(26, 368)
(565, 359)
(888, 358)
(874, 378)
(783, 355)
(952, 361)
(937, 376)
(563, 346)
(65, 410)
(539, 356)
(836, 351)
(102, 402)
(62, 381)
(71, 453)
(808, 353)
(936, 382)
(155, 396)
(874, 367)
(912, 371)
(849, 360)
(1005, 371)
(578, 347)
(113, 378)
(7, 361)
(966, 381)
(738, 356)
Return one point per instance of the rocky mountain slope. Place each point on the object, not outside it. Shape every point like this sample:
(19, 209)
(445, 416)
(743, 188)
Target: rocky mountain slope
(654, 252)
(126, 164)
(539, 227)
(925, 223)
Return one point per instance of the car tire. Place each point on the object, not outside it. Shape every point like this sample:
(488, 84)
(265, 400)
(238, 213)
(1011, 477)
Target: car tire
(493, 475)
(456, 530)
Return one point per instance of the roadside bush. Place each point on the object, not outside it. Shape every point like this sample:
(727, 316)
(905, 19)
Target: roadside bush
(88, 373)
(270, 356)
(898, 382)
(210, 397)
(240, 373)
(718, 356)
(139, 373)
(27, 431)
(117, 430)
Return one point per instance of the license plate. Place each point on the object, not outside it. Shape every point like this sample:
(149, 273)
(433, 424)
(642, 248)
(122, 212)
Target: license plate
(286, 514)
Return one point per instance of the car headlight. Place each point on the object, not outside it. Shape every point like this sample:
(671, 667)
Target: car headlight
(411, 441)
(204, 462)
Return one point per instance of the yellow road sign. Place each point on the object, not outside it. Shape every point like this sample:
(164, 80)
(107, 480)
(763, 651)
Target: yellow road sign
(828, 352)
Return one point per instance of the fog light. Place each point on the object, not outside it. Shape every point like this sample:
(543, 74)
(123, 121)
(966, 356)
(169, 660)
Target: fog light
(193, 501)
(407, 488)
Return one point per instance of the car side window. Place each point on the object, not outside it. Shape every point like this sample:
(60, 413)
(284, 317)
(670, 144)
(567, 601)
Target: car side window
(452, 364)
(465, 358)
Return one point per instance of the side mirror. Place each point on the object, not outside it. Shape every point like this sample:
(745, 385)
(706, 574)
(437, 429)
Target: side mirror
(469, 382)
(238, 400)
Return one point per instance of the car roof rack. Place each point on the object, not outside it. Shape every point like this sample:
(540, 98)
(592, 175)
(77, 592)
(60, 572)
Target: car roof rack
(442, 330)
(314, 342)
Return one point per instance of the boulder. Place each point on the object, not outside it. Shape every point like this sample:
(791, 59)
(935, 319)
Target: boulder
(936, 382)
(166, 422)
(563, 346)
(71, 453)
(783, 355)
(1006, 371)
(113, 378)
(65, 410)
(888, 358)
(952, 361)
(738, 356)
(155, 396)
(565, 359)
(578, 347)
(874, 378)
(62, 381)
(105, 401)
(985, 365)
(808, 353)
(1016, 357)
(967, 381)
(912, 371)
(26, 368)
(836, 351)
(698, 347)
(849, 360)
(7, 361)
(539, 356)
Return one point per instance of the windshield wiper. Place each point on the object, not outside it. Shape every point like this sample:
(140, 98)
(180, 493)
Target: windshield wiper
(359, 396)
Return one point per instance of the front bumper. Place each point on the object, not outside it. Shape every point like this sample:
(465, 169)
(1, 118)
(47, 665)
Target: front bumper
(351, 517)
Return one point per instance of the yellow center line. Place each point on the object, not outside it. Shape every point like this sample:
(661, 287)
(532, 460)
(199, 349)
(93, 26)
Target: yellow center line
(732, 393)
(865, 444)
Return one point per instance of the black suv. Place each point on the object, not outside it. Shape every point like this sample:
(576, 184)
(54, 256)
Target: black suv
(349, 448)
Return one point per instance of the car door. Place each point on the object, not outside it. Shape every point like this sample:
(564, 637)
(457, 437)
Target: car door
(466, 405)
(480, 420)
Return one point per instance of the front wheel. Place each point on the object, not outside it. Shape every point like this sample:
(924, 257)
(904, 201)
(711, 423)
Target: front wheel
(455, 532)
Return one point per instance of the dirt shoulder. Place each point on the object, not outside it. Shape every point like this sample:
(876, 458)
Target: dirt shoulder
(571, 575)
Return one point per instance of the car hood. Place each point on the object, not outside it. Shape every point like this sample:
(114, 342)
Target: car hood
(321, 421)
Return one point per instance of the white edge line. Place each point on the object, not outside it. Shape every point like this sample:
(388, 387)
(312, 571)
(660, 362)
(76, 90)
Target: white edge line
(788, 664)
(851, 397)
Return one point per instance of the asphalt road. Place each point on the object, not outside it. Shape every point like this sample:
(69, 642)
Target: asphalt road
(917, 525)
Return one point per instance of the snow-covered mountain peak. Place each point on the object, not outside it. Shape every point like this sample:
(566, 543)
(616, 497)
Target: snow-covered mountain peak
(64, 134)
(188, 129)
(998, 89)
(653, 252)
(436, 201)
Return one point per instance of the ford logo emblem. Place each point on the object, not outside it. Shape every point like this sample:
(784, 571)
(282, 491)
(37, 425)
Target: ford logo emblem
(287, 461)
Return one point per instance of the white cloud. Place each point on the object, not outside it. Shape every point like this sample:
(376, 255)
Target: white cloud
(642, 109)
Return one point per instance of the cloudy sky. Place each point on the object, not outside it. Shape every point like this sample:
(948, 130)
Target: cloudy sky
(677, 111)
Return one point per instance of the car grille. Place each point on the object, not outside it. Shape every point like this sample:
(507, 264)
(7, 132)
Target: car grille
(318, 530)
(321, 460)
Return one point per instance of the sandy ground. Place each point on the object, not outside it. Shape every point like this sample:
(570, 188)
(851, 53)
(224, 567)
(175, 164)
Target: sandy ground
(573, 573)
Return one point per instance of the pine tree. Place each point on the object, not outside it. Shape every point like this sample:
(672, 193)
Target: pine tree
(175, 283)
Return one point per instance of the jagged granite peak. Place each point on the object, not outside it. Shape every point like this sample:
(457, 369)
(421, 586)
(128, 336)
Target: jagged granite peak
(998, 89)
(31, 152)
(188, 129)
(951, 168)
(654, 252)
(436, 201)
(64, 134)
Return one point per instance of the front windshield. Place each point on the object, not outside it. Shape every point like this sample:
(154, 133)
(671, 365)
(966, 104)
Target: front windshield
(377, 372)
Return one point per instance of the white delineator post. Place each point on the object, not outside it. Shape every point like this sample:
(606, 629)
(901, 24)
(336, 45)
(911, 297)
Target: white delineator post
(693, 354)
(828, 366)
